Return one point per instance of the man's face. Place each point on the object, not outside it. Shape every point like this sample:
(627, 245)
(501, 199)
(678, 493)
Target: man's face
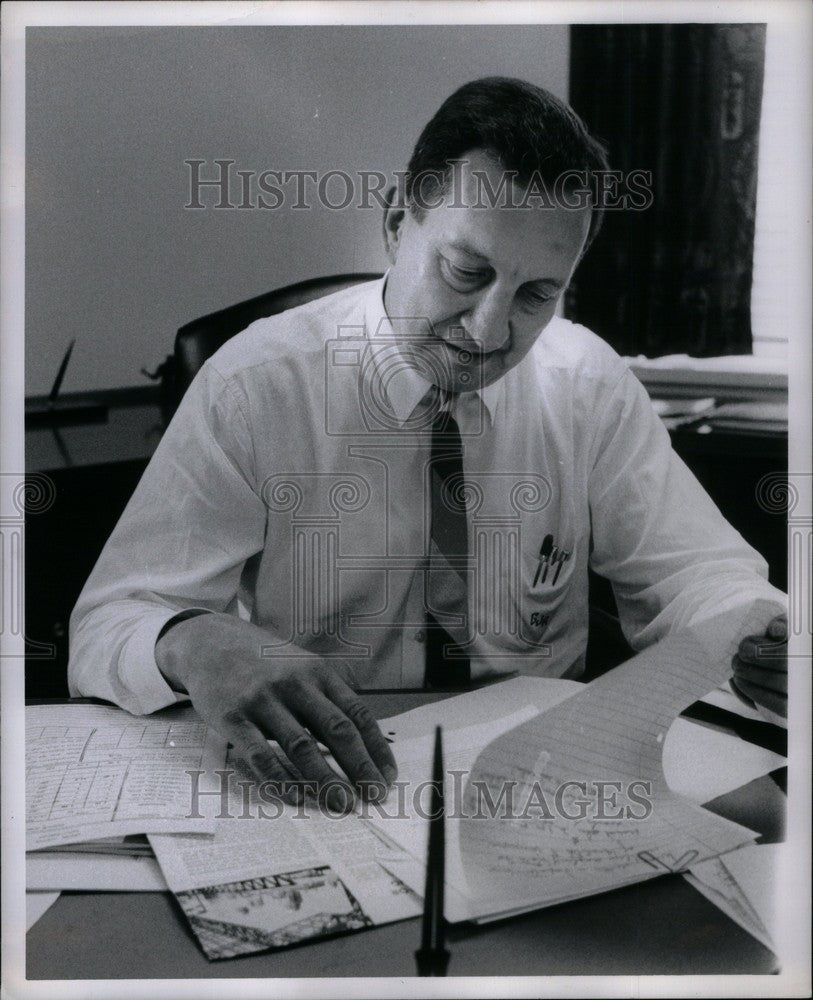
(487, 280)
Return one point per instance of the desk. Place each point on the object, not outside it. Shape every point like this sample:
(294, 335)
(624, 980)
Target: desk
(660, 927)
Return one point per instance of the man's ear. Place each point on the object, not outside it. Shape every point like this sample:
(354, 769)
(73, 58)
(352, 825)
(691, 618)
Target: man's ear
(394, 216)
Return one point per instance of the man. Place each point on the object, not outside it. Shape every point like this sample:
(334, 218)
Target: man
(412, 477)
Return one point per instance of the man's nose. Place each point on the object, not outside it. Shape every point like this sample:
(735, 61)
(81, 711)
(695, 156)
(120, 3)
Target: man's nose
(487, 321)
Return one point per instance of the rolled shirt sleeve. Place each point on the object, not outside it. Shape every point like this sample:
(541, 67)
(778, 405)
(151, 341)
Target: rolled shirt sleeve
(671, 556)
(194, 520)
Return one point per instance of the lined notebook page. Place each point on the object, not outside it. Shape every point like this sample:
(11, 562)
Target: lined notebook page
(613, 732)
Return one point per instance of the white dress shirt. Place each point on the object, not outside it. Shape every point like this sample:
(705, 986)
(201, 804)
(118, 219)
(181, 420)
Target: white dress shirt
(289, 488)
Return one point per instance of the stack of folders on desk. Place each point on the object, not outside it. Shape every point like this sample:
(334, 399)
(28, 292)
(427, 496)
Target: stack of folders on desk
(679, 412)
(554, 791)
(752, 416)
(744, 416)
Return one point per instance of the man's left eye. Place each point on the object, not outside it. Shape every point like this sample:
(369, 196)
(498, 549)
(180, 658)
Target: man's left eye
(461, 276)
(535, 299)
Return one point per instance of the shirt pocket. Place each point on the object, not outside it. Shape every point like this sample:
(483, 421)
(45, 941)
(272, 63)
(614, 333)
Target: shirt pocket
(543, 587)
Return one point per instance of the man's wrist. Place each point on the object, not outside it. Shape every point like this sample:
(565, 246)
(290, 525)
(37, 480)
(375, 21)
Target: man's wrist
(168, 656)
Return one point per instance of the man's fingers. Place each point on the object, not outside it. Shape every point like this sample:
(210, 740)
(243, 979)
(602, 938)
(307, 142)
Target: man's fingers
(767, 647)
(304, 754)
(342, 735)
(772, 700)
(362, 718)
(264, 764)
(778, 629)
(763, 676)
(763, 649)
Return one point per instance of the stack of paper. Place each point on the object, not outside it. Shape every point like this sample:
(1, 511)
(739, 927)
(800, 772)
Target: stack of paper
(133, 846)
(554, 791)
(97, 772)
(275, 875)
(677, 412)
(82, 872)
(124, 864)
(767, 416)
(575, 801)
(98, 778)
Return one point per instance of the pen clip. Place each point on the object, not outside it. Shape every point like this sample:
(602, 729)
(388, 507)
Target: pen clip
(562, 558)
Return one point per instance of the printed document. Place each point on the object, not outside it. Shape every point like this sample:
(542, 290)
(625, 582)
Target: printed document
(94, 771)
(274, 875)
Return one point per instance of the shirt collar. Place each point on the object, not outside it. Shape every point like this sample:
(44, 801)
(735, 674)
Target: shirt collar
(405, 389)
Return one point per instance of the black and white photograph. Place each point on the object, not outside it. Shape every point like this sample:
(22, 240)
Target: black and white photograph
(405, 504)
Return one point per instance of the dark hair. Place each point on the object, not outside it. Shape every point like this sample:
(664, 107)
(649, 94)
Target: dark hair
(530, 131)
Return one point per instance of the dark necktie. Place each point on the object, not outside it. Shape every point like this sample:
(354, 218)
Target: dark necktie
(447, 585)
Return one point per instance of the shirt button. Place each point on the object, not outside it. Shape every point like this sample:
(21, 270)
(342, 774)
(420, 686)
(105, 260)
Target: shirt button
(420, 636)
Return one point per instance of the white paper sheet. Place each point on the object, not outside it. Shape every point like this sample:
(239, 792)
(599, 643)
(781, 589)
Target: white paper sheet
(713, 880)
(94, 771)
(756, 870)
(743, 884)
(92, 873)
(402, 817)
(36, 903)
(702, 763)
(699, 762)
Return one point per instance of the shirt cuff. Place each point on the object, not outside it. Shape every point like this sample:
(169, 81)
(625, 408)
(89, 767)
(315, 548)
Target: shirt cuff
(138, 671)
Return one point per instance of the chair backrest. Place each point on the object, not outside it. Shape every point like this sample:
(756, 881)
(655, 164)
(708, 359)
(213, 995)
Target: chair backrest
(198, 340)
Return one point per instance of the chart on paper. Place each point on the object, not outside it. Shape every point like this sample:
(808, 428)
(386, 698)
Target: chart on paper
(93, 771)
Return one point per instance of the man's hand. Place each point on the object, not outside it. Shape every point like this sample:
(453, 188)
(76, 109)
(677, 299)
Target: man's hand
(249, 699)
(761, 667)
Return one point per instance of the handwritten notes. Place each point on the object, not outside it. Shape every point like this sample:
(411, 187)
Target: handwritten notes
(591, 808)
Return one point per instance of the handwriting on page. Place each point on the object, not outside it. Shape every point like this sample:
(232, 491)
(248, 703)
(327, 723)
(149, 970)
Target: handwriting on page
(563, 836)
(93, 771)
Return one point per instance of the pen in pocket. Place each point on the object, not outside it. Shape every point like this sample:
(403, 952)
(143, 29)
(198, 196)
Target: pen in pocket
(544, 556)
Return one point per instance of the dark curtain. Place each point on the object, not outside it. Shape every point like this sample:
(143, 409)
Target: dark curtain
(682, 101)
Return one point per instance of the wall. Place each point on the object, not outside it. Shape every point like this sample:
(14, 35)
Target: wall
(112, 256)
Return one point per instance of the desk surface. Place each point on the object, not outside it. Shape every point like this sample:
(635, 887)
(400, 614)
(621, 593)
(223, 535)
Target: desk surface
(659, 927)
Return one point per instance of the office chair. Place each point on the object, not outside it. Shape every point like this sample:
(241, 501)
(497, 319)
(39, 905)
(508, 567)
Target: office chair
(198, 340)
